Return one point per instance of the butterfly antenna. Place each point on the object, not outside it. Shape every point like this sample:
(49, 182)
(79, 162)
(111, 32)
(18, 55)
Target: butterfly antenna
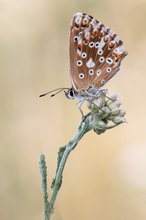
(58, 90)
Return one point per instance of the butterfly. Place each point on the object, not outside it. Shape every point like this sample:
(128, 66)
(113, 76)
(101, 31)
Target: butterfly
(95, 54)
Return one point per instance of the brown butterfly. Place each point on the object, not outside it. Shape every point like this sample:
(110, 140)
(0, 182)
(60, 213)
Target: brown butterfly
(96, 53)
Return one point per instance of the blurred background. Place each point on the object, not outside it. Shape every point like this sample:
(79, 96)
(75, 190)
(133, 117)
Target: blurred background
(105, 176)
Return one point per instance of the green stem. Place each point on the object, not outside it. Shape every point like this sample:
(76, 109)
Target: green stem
(83, 128)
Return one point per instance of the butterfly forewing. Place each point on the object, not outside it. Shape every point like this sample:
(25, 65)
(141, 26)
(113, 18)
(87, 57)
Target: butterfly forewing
(95, 52)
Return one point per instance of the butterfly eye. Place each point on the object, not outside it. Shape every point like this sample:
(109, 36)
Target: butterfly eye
(81, 75)
(91, 72)
(79, 63)
(71, 93)
(101, 59)
(109, 69)
(84, 55)
(109, 60)
(91, 44)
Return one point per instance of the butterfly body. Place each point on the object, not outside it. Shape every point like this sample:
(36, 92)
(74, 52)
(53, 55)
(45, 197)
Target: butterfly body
(96, 53)
(88, 94)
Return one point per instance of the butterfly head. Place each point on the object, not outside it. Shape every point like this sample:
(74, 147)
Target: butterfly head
(70, 94)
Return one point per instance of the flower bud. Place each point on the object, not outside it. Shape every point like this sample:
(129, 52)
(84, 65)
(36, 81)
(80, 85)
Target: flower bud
(112, 106)
(122, 112)
(101, 125)
(106, 111)
(118, 103)
(100, 102)
(109, 101)
(114, 97)
(115, 111)
(118, 120)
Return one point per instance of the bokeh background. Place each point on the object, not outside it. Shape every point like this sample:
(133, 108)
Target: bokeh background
(105, 176)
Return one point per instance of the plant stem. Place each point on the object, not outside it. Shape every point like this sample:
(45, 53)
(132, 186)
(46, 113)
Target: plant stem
(82, 129)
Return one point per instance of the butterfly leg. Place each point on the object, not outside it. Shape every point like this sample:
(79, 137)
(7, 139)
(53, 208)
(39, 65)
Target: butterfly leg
(79, 104)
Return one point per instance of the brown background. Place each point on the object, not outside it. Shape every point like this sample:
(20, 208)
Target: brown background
(105, 176)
